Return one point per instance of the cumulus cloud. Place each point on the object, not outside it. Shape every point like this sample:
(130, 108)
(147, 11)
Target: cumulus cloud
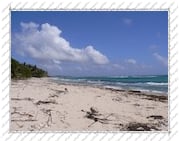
(161, 59)
(131, 61)
(44, 43)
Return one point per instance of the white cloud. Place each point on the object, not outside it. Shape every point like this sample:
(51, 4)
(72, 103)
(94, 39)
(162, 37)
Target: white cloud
(56, 61)
(118, 66)
(161, 59)
(45, 44)
(131, 61)
(95, 55)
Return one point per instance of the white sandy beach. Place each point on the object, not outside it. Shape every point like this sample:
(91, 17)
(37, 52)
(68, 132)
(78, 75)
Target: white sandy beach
(39, 104)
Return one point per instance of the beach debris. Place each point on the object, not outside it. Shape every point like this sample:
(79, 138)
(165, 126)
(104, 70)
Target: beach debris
(117, 99)
(136, 104)
(58, 91)
(53, 95)
(18, 99)
(156, 98)
(46, 102)
(134, 91)
(96, 116)
(94, 110)
(23, 114)
(156, 117)
(134, 126)
(153, 97)
(115, 90)
(48, 112)
(66, 90)
(23, 120)
(108, 118)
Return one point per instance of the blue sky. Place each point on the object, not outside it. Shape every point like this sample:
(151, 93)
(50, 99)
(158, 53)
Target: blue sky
(92, 43)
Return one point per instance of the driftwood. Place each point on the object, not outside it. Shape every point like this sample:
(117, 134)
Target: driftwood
(134, 91)
(23, 120)
(156, 117)
(96, 116)
(18, 99)
(46, 102)
(23, 114)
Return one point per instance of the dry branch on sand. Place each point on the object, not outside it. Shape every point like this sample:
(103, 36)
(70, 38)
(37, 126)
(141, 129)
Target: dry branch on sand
(96, 116)
(46, 102)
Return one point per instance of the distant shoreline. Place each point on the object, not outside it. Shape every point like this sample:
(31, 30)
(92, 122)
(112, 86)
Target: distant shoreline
(113, 88)
(145, 84)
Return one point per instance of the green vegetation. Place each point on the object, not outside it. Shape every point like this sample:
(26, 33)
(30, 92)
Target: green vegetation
(22, 71)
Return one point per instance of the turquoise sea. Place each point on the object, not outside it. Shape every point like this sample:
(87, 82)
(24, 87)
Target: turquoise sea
(148, 83)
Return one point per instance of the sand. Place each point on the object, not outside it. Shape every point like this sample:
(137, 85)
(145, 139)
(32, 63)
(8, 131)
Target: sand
(40, 104)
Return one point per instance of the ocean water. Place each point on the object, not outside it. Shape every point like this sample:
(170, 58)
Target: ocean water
(148, 83)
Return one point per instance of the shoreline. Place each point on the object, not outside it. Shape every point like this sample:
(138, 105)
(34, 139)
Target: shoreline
(114, 88)
(40, 104)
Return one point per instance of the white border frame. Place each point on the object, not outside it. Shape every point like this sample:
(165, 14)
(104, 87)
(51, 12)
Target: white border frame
(114, 5)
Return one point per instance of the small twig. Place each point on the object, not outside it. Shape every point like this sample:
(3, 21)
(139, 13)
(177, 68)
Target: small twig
(92, 123)
(27, 98)
(22, 114)
(23, 120)
(46, 102)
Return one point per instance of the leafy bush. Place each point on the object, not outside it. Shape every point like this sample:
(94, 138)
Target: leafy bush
(21, 71)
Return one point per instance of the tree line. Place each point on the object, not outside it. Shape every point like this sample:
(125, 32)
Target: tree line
(23, 70)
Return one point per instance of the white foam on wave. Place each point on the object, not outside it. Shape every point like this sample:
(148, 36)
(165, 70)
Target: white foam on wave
(120, 76)
(54, 78)
(158, 84)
